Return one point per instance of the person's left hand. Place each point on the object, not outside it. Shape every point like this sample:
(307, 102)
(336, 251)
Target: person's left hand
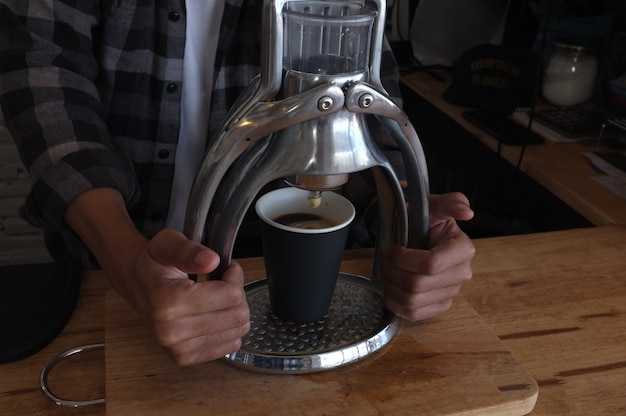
(419, 284)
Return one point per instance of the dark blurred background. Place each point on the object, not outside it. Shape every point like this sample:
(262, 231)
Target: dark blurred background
(431, 35)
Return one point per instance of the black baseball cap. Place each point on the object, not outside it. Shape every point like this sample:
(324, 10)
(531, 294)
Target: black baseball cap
(495, 77)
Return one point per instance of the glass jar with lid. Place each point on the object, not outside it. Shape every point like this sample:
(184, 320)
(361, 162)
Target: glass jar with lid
(570, 74)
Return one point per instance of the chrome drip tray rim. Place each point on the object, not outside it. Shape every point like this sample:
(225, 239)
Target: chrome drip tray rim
(357, 325)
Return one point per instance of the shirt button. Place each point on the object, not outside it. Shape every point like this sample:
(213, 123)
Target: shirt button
(172, 87)
(174, 16)
(164, 154)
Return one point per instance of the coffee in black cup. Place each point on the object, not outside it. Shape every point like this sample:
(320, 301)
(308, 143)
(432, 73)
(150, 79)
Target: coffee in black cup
(305, 220)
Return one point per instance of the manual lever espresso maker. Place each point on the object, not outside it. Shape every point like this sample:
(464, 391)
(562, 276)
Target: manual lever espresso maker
(304, 118)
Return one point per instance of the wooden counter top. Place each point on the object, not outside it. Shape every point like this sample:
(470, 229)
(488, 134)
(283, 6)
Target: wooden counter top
(426, 364)
(559, 167)
(557, 301)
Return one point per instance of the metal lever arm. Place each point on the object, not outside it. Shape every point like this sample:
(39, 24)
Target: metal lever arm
(262, 119)
(364, 98)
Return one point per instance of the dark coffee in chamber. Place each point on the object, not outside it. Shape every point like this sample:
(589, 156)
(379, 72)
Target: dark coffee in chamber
(305, 221)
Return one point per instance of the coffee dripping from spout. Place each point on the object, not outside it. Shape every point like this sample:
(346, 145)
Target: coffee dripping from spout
(303, 117)
(314, 199)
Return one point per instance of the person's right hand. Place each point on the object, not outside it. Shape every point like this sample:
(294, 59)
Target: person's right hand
(193, 321)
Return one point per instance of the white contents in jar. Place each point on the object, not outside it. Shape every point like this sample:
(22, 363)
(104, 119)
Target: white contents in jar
(570, 75)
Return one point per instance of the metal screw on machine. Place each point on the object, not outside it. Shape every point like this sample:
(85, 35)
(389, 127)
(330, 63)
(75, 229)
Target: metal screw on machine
(325, 103)
(365, 101)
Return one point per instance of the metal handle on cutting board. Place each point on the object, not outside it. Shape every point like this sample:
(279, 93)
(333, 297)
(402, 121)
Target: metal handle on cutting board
(45, 372)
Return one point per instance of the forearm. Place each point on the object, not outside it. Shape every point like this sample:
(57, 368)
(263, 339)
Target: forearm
(100, 219)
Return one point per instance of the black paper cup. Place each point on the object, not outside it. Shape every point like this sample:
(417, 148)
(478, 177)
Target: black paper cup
(302, 264)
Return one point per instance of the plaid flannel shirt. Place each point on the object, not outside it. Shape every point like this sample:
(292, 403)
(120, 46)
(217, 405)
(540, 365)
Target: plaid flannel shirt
(91, 92)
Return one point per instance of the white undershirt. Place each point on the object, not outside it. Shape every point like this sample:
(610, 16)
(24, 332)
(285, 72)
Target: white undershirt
(202, 34)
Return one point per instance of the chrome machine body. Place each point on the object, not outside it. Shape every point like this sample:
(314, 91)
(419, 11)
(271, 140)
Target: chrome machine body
(303, 117)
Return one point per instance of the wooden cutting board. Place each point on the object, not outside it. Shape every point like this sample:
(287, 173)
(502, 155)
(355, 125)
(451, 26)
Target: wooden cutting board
(451, 365)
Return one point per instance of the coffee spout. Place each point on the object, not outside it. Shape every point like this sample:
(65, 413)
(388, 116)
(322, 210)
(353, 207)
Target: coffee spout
(314, 199)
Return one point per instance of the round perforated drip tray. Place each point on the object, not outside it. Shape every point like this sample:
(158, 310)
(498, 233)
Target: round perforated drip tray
(357, 325)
